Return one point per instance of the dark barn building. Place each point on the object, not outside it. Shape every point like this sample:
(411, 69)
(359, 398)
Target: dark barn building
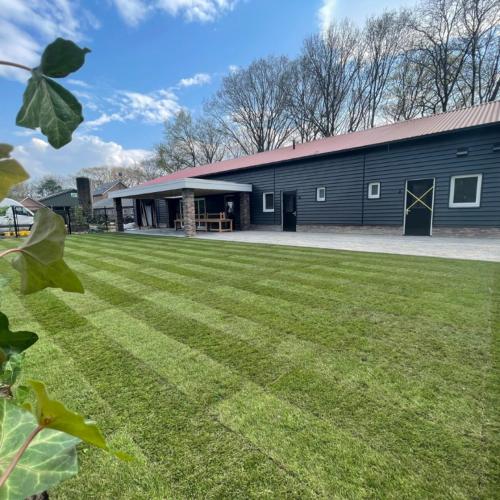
(435, 175)
(62, 201)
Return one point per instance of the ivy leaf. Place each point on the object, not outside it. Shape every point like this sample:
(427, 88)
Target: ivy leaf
(36, 276)
(61, 58)
(40, 259)
(48, 460)
(14, 342)
(11, 370)
(55, 415)
(11, 171)
(21, 394)
(5, 150)
(48, 105)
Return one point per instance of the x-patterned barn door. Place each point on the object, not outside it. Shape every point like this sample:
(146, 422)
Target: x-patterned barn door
(419, 207)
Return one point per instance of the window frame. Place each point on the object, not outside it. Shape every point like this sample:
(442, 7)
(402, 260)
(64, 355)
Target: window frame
(371, 196)
(264, 209)
(318, 198)
(468, 204)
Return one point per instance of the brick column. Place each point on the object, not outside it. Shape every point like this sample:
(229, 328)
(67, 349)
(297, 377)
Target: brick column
(245, 211)
(188, 212)
(119, 214)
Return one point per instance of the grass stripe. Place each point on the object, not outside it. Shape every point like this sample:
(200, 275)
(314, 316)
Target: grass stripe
(406, 305)
(268, 371)
(186, 430)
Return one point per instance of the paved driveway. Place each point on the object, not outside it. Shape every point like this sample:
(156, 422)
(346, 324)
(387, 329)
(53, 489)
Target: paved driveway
(451, 248)
(447, 247)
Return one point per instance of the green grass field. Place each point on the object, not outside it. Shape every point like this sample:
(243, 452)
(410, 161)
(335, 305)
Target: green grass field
(237, 371)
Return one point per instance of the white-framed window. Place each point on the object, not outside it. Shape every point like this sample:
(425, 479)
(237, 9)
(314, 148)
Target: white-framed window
(373, 190)
(321, 194)
(268, 202)
(465, 191)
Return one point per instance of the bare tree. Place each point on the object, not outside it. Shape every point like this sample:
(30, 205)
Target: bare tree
(442, 47)
(302, 102)
(188, 143)
(211, 142)
(130, 176)
(409, 89)
(384, 42)
(251, 106)
(480, 19)
(178, 149)
(330, 60)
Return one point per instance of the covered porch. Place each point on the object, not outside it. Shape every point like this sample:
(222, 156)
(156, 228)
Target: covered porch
(192, 205)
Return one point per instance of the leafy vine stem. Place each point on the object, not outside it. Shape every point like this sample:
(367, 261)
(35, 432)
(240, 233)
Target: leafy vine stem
(16, 65)
(19, 453)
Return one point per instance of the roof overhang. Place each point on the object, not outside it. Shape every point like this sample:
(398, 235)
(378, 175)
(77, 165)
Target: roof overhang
(174, 188)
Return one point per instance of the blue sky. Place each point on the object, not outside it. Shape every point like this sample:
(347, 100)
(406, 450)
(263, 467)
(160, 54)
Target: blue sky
(149, 59)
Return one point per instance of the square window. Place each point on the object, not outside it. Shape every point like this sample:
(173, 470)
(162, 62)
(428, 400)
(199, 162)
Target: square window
(321, 194)
(268, 202)
(465, 191)
(374, 190)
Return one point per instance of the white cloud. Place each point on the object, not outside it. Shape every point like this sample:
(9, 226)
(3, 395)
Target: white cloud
(28, 25)
(125, 105)
(326, 13)
(84, 151)
(198, 79)
(135, 11)
(78, 83)
(132, 11)
(233, 68)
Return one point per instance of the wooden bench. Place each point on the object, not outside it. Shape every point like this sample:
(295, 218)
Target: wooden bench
(210, 222)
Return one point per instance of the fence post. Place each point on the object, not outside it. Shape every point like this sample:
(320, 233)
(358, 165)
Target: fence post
(106, 218)
(14, 218)
(68, 215)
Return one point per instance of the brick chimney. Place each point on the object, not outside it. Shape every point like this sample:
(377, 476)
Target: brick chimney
(84, 196)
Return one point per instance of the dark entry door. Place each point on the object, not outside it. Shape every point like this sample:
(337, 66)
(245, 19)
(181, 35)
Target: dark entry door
(290, 211)
(232, 209)
(419, 207)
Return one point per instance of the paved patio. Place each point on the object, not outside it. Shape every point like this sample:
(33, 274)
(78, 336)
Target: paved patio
(487, 249)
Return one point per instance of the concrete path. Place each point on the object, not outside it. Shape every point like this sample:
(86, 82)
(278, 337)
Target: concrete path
(487, 249)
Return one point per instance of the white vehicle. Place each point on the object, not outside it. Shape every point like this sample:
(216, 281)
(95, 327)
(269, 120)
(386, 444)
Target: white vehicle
(23, 215)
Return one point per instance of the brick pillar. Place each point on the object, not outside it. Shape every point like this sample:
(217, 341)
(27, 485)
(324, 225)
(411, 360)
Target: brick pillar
(119, 214)
(245, 211)
(188, 212)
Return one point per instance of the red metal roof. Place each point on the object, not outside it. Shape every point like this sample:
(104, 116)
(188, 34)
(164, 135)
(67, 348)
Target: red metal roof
(482, 114)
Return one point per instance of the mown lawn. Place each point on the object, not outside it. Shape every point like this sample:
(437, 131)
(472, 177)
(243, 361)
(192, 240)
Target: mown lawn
(236, 371)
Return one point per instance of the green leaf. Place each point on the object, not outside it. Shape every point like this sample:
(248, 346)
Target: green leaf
(5, 150)
(46, 241)
(14, 342)
(21, 394)
(11, 171)
(61, 58)
(48, 105)
(36, 276)
(40, 258)
(55, 415)
(11, 370)
(48, 460)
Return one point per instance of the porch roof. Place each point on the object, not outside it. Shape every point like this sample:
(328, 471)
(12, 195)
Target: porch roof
(171, 189)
